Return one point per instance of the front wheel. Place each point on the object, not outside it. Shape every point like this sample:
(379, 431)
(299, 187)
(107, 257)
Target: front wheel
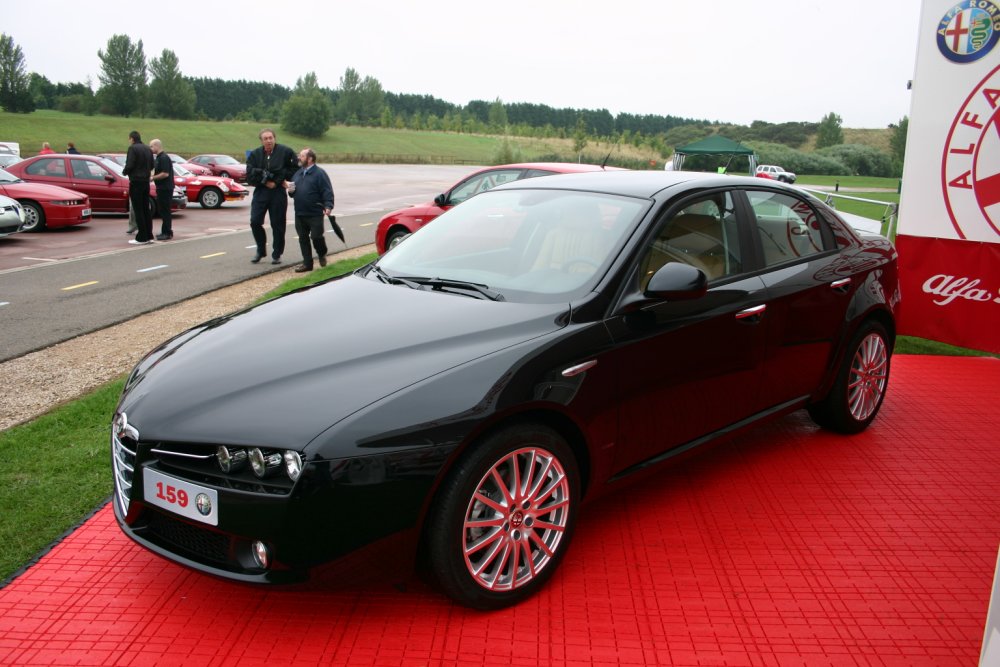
(396, 238)
(860, 385)
(210, 198)
(503, 519)
(34, 217)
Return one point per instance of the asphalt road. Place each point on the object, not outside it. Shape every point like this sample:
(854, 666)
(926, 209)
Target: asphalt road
(63, 283)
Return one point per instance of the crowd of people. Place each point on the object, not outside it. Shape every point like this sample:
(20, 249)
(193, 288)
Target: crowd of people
(274, 170)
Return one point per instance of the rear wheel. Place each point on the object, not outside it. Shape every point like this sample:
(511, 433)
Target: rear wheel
(860, 385)
(224, 174)
(34, 217)
(503, 519)
(210, 198)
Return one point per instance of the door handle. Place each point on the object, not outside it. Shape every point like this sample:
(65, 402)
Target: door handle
(841, 285)
(752, 315)
(579, 368)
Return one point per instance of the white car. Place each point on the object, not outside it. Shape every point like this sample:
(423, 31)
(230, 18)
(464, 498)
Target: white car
(775, 172)
(11, 216)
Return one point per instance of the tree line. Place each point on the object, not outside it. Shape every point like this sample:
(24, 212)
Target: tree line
(131, 85)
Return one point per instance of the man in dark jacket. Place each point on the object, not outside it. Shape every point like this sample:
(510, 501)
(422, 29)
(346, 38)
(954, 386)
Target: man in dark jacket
(313, 194)
(138, 166)
(268, 167)
(163, 178)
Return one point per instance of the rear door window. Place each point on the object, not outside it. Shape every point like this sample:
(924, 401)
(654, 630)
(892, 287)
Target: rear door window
(788, 227)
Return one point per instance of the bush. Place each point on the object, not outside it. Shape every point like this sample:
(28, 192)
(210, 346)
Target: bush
(307, 115)
(506, 153)
(861, 160)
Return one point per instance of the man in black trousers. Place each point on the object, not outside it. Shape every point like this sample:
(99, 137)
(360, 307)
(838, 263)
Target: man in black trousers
(163, 178)
(138, 165)
(313, 194)
(268, 167)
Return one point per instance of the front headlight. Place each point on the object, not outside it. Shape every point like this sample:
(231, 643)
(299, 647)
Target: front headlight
(293, 464)
(264, 464)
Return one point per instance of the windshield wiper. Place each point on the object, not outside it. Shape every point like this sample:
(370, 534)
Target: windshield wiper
(447, 283)
(392, 280)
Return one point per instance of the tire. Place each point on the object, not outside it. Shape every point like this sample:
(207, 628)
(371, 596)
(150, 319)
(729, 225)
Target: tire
(34, 217)
(521, 536)
(860, 385)
(210, 198)
(395, 238)
(224, 174)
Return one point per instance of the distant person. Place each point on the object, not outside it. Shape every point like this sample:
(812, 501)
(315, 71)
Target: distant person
(313, 194)
(163, 178)
(71, 149)
(721, 169)
(46, 149)
(138, 167)
(268, 167)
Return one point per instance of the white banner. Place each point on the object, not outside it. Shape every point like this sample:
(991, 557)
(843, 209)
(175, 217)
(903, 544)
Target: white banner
(949, 222)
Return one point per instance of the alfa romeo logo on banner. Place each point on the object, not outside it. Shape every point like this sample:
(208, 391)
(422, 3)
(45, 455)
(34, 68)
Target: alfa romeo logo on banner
(970, 171)
(969, 30)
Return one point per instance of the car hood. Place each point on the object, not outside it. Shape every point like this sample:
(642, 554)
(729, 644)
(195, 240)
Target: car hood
(281, 373)
(39, 191)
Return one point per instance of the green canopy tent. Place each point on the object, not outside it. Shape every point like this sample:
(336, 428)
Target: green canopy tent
(714, 145)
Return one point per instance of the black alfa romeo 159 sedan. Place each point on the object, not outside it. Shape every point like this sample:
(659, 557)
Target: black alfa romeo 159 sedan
(526, 351)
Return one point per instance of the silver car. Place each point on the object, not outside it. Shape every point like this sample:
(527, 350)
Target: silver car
(11, 216)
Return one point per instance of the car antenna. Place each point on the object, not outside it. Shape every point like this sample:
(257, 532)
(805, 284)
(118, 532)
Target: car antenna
(608, 156)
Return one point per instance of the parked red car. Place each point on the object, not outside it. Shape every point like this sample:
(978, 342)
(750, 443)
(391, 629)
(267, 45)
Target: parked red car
(222, 165)
(195, 169)
(100, 179)
(45, 205)
(397, 225)
(209, 191)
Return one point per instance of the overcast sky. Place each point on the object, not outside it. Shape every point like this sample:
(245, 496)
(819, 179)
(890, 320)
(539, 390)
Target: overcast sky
(727, 60)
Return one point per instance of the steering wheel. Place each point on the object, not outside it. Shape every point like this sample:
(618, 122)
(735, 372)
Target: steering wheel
(565, 268)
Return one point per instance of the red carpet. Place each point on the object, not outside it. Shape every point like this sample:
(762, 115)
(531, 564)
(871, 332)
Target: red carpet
(786, 546)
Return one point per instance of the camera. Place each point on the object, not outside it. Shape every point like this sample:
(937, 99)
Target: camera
(266, 176)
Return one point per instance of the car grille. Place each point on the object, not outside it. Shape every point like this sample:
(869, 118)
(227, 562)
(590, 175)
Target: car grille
(199, 542)
(197, 463)
(123, 451)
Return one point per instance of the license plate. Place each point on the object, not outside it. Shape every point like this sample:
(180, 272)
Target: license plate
(180, 497)
(86, 213)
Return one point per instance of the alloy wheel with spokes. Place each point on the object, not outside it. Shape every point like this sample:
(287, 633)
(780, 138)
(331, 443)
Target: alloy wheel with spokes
(516, 519)
(503, 518)
(868, 378)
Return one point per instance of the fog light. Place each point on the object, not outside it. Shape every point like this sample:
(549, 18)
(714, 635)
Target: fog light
(230, 460)
(293, 464)
(264, 464)
(261, 555)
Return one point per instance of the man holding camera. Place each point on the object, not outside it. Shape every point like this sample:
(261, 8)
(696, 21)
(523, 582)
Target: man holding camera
(268, 167)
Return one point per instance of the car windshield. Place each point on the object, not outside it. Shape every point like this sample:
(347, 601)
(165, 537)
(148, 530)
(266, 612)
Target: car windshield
(526, 245)
(7, 177)
(181, 171)
(112, 165)
(223, 159)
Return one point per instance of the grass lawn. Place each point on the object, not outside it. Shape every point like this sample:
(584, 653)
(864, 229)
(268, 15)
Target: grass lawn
(58, 467)
(100, 134)
(849, 182)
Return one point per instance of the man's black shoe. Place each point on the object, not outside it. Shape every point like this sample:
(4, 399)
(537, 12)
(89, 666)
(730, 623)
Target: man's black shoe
(322, 260)
(256, 258)
(164, 237)
(302, 268)
(276, 260)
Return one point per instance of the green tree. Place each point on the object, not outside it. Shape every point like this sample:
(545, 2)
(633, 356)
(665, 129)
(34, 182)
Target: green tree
(897, 140)
(371, 101)
(497, 116)
(829, 132)
(349, 99)
(170, 96)
(579, 135)
(122, 76)
(308, 112)
(43, 91)
(15, 94)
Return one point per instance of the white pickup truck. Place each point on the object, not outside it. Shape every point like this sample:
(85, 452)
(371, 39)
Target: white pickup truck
(775, 172)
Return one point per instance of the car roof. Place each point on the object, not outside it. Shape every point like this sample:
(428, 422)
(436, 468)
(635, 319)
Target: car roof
(644, 184)
(560, 167)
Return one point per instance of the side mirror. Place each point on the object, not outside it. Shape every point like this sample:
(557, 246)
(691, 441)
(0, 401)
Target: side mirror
(677, 282)
(441, 200)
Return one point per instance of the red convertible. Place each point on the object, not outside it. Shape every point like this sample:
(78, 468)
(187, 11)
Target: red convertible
(45, 205)
(222, 165)
(209, 191)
